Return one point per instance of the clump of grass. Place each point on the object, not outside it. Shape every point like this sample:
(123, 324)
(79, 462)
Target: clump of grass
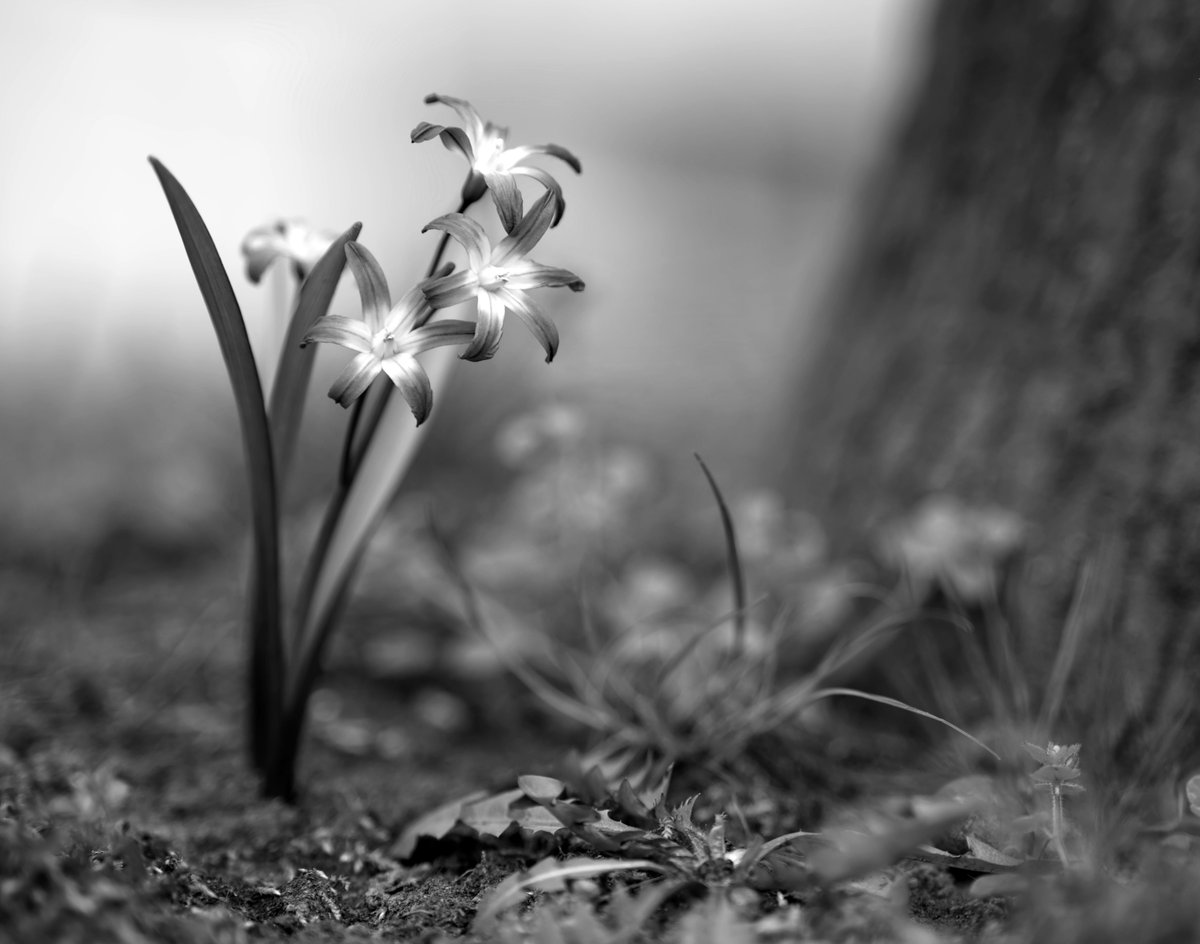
(701, 696)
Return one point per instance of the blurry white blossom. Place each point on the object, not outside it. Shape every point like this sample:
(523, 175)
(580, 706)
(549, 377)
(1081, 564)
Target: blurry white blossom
(959, 548)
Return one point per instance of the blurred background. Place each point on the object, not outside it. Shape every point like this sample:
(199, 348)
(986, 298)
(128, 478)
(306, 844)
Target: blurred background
(723, 148)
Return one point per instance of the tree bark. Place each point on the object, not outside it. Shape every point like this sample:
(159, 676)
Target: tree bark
(1021, 326)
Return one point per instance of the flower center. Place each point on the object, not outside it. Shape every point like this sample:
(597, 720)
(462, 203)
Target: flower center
(488, 153)
(492, 277)
(386, 345)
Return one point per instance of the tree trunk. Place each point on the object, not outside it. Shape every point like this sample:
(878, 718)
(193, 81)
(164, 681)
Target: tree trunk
(1021, 327)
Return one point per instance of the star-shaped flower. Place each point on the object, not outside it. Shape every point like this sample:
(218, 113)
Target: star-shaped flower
(494, 166)
(387, 337)
(500, 279)
(292, 240)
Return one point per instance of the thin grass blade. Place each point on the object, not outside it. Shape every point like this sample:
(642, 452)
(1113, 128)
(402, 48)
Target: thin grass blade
(1089, 604)
(736, 574)
(551, 696)
(266, 654)
(894, 703)
(698, 636)
(295, 362)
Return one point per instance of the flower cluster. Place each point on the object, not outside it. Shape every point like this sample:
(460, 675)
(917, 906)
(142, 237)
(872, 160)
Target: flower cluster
(498, 279)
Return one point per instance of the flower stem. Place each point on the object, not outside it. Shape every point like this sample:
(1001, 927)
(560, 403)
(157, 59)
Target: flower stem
(1058, 823)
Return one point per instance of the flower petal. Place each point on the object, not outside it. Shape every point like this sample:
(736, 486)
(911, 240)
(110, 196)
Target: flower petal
(438, 334)
(372, 285)
(489, 326)
(294, 240)
(413, 382)
(535, 320)
(354, 380)
(468, 233)
(262, 246)
(411, 311)
(336, 329)
(529, 231)
(455, 139)
(516, 155)
(257, 262)
(528, 274)
(470, 117)
(507, 197)
(451, 290)
(425, 131)
(549, 183)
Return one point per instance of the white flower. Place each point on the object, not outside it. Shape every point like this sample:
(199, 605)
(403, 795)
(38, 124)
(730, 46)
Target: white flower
(387, 337)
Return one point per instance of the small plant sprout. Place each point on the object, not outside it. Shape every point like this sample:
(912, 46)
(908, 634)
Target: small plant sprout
(287, 642)
(1058, 773)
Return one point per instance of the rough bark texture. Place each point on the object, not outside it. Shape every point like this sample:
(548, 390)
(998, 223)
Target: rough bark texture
(1021, 327)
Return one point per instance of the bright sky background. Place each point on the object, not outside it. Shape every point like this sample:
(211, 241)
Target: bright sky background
(720, 142)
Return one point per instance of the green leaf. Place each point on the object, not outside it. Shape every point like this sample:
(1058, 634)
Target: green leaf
(737, 575)
(894, 703)
(853, 853)
(487, 815)
(989, 854)
(493, 815)
(266, 654)
(549, 875)
(539, 788)
(295, 362)
(434, 824)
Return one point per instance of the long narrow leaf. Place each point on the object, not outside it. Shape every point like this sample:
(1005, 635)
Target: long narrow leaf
(377, 478)
(894, 703)
(737, 575)
(550, 875)
(266, 642)
(295, 362)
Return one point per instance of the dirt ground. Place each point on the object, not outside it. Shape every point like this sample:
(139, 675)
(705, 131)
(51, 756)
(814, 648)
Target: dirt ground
(128, 812)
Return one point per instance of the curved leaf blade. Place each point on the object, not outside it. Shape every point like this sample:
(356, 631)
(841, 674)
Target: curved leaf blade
(737, 575)
(290, 388)
(266, 638)
(550, 875)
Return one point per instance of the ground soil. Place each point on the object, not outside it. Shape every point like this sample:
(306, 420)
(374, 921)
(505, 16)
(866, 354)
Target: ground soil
(128, 813)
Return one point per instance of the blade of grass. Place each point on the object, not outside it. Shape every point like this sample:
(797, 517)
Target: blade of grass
(736, 574)
(296, 362)
(266, 652)
(698, 636)
(567, 705)
(894, 703)
(1090, 599)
